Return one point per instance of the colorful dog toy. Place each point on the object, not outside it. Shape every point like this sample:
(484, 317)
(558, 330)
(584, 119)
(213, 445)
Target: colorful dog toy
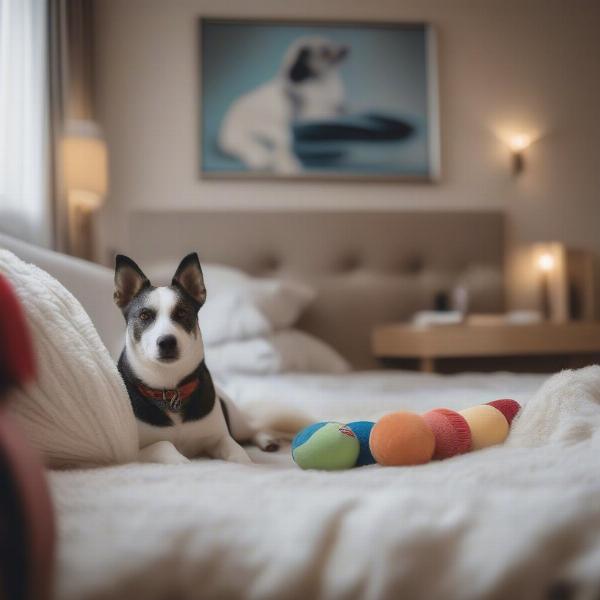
(404, 438)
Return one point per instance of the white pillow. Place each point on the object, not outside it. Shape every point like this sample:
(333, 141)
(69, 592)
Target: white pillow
(239, 307)
(231, 316)
(220, 278)
(284, 351)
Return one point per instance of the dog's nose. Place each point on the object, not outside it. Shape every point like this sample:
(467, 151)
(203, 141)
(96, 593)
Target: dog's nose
(167, 343)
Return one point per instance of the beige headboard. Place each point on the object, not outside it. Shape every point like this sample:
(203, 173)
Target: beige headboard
(368, 267)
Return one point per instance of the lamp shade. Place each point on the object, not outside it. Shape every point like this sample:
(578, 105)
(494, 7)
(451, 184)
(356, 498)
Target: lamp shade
(84, 157)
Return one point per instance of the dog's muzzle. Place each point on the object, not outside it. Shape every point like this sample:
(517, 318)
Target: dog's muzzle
(167, 347)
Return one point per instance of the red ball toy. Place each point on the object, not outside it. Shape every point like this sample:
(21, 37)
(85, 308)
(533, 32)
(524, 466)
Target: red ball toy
(509, 408)
(451, 431)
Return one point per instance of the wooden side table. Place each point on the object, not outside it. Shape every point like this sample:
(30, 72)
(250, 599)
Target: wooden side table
(427, 344)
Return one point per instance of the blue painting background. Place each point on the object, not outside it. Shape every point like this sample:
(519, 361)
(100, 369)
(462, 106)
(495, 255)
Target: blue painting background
(386, 71)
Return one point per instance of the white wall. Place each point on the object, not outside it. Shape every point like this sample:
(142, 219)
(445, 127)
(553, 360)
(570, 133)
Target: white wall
(505, 65)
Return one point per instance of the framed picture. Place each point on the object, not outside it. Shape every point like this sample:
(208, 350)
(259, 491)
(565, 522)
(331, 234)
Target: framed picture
(304, 100)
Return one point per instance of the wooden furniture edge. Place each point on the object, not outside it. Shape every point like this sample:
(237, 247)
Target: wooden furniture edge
(446, 341)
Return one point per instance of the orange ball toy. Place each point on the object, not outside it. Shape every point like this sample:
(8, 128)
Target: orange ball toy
(402, 439)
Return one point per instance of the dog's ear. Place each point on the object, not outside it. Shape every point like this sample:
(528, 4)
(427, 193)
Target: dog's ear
(129, 281)
(300, 70)
(189, 278)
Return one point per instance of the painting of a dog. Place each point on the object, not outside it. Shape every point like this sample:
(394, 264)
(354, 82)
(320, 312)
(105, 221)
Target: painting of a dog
(282, 99)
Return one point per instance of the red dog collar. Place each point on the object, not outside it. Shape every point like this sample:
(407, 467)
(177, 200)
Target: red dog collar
(169, 399)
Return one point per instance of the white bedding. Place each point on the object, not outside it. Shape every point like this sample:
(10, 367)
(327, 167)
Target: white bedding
(506, 522)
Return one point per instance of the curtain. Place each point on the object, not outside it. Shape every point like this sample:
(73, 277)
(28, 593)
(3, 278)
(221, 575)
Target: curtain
(71, 88)
(25, 205)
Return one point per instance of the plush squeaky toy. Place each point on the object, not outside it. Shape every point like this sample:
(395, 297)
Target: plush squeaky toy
(404, 438)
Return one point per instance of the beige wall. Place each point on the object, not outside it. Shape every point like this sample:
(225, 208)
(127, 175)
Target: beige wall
(505, 65)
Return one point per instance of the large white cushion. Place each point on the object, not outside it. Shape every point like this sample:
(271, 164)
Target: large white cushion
(77, 413)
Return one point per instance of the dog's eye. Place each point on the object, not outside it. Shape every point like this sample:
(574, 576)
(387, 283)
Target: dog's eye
(180, 313)
(145, 315)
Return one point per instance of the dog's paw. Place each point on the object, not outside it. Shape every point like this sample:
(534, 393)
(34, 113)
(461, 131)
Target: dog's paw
(266, 442)
(162, 452)
(177, 460)
(240, 459)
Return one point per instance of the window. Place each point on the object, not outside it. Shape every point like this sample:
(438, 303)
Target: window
(24, 189)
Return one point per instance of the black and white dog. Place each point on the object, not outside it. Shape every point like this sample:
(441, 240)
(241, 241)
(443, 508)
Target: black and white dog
(180, 414)
(257, 127)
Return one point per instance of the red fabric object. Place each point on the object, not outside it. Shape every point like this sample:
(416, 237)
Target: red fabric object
(451, 431)
(17, 364)
(509, 408)
(27, 529)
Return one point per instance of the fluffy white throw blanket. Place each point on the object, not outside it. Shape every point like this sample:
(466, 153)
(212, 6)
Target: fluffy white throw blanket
(77, 413)
(521, 520)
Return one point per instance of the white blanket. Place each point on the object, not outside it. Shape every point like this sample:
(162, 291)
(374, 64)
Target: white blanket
(513, 521)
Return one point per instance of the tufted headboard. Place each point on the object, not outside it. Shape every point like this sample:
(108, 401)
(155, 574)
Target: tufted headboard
(368, 267)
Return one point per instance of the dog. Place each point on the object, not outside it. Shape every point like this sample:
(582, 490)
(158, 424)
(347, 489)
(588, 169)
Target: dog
(180, 412)
(257, 128)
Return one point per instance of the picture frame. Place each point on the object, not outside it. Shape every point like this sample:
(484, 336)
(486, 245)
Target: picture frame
(285, 100)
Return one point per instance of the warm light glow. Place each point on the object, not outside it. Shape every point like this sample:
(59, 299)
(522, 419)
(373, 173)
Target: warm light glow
(85, 161)
(518, 135)
(519, 142)
(546, 261)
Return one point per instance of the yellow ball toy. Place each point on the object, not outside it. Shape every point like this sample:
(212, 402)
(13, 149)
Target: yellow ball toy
(487, 424)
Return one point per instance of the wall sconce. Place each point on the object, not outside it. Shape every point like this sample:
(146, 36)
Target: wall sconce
(518, 143)
(86, 182)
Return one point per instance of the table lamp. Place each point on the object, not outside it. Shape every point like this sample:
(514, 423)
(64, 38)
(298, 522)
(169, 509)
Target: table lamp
(550, 263)
(86, 182)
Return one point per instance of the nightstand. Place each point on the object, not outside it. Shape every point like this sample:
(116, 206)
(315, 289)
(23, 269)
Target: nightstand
(499, 340)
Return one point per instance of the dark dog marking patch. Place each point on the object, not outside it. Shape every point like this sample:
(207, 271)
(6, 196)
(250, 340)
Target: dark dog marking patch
(139, 317)
(300, 70)
(185, 312)
(202, 401)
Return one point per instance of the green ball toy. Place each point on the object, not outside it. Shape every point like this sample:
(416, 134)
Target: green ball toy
(327, 446)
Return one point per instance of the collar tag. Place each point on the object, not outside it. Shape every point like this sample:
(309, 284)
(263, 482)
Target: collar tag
(174, 401)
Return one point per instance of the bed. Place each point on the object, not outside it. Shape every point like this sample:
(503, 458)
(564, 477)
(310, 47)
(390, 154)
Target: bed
(517, 521)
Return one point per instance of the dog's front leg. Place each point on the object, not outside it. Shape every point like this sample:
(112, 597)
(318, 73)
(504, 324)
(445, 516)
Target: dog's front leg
(162, 452)
(285, 160)
(228, 449)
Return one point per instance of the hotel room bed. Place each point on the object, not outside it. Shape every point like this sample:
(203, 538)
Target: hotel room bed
(517, 521)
